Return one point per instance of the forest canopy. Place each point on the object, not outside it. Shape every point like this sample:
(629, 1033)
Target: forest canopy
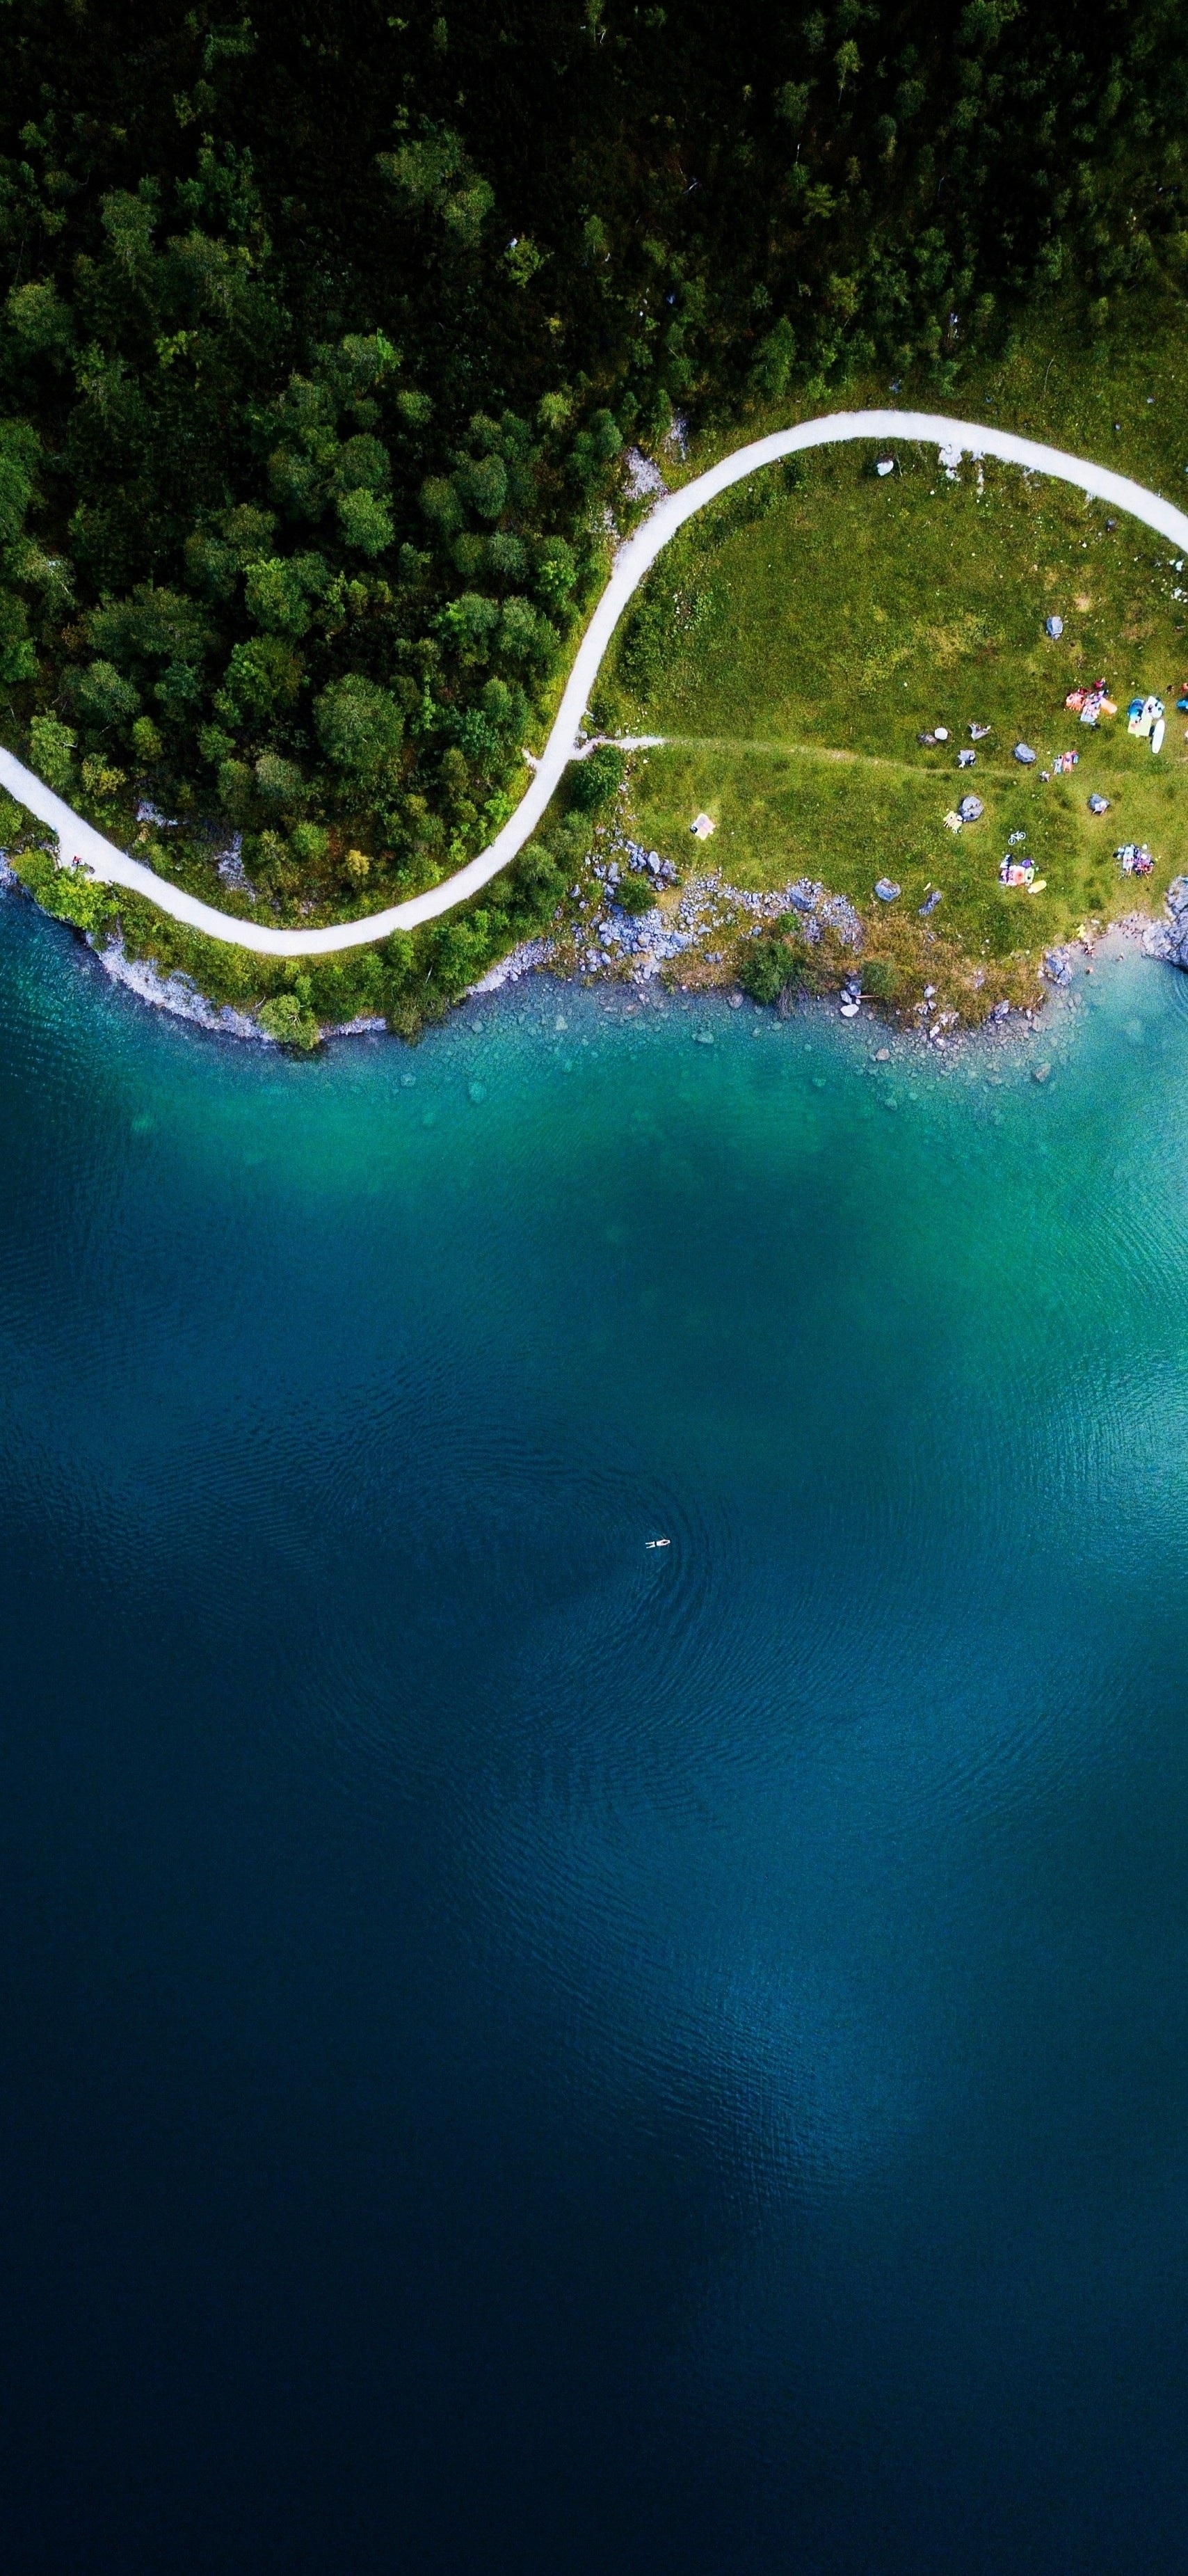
(323, 329)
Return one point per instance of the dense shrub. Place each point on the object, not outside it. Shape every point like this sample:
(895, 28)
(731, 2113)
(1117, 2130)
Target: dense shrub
(635, 894)
(765, 969)
(596, 781)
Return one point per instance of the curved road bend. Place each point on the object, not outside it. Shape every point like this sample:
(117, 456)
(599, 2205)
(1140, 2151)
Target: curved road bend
(79, 840)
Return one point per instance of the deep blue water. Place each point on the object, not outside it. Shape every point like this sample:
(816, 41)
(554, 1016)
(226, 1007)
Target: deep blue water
(524, 2051)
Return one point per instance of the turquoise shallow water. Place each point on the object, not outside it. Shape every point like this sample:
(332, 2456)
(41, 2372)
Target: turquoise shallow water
(529, 2051)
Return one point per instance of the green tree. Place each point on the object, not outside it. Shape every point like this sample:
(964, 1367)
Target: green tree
(526, 638)
(18, 660)
(764, 970)
(792, 104)
(274, 597)
(279, 781)
(469, 624)
(597, 779)
(289, 1020)
(262, 676)
(359, 726)
(773, 360)
(41, 320)
(51, 750)
(507, 556)
(364, 522)
(635, 894)
(105, 697)
(556, 573)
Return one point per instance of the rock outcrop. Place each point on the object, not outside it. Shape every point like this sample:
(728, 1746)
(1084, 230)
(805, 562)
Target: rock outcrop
(1169, 939)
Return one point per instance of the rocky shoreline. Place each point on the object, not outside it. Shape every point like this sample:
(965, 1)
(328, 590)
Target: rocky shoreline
(610, 944)
(1169, 939)
(180, 996)
(175, 993)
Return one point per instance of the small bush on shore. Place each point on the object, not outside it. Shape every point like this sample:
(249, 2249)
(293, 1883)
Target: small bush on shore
(290, 1021)
(65, 892)
(765, 969)
(635, 894)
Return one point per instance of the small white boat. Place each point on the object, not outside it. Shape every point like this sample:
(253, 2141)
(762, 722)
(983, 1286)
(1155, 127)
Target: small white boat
(657, 1542)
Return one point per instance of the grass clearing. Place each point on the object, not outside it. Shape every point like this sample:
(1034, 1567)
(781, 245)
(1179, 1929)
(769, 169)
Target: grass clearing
(792, 657)
(794, 642)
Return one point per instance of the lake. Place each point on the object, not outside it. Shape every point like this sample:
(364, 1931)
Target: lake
(526, 2049)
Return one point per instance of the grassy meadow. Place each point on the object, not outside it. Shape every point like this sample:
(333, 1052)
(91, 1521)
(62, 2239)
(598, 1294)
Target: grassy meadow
(794, 642)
